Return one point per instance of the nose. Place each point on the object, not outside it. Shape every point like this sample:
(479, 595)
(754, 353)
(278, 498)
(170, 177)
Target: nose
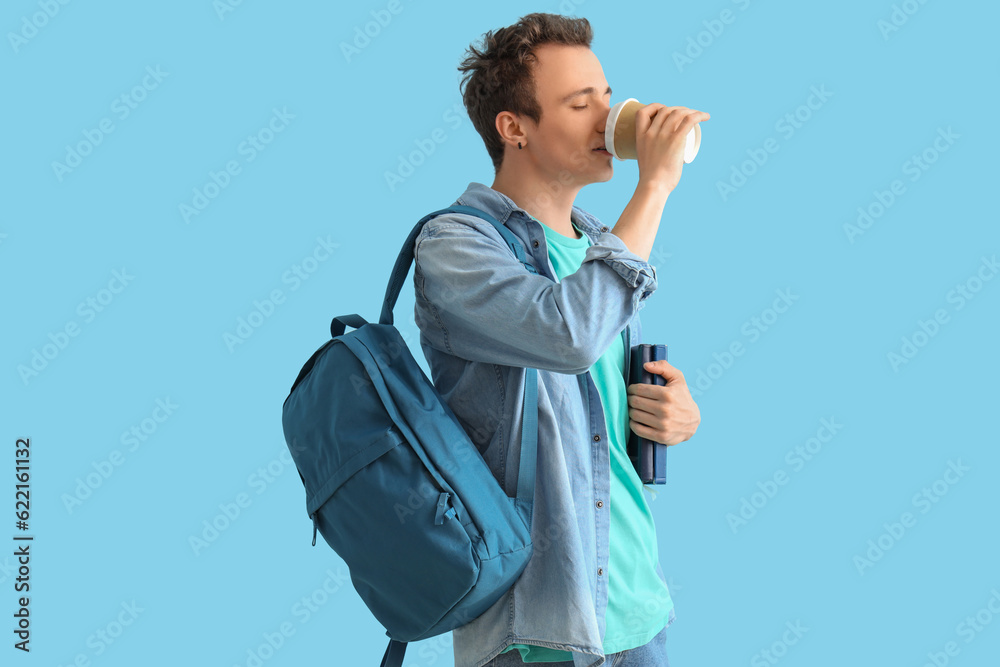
(603, 120)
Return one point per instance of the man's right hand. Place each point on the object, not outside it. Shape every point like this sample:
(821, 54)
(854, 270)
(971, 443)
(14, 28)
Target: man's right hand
(661, 133)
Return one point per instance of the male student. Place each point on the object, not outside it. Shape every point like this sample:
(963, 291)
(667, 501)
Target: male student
(593, 592)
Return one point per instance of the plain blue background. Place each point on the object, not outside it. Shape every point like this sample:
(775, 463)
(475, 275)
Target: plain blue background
(721, 262)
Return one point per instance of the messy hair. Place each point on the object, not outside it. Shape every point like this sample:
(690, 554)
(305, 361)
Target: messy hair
(498, 75)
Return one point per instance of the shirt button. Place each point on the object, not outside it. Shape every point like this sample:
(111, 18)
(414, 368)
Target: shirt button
(600, 503)
(600, 571)
(604, 229)
(597, 438)
(535, 243)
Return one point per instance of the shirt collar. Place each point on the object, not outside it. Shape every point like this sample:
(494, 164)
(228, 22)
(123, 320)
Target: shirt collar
(500, 206)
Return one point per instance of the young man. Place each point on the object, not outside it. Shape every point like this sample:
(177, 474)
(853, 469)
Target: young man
(593, 591)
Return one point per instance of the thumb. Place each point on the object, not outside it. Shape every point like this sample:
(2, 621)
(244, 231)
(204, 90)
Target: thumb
(663, 368)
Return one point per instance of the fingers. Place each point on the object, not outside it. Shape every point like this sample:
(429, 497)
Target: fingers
(650, 397)
(687, 119)
(657, 114)
(693, 119)
(657, 418)
(659, 120)
(652, 118)
(644, 117)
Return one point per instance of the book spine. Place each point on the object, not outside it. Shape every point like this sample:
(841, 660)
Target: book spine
(648, 457)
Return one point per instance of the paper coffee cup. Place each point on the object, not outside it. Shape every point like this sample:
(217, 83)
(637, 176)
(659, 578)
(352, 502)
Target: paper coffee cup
(619, 132)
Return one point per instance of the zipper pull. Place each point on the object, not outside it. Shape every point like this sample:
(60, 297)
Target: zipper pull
(443, 513)
(313, 515)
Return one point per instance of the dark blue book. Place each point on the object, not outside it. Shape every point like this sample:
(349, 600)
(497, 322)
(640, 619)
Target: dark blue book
(648, 457)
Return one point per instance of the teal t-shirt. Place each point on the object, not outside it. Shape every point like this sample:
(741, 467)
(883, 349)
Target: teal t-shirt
(639, 602)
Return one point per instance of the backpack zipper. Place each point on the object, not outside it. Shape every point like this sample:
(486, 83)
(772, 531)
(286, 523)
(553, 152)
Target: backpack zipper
(443, 513)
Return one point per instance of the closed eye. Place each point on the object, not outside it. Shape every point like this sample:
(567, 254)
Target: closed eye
(583, 107)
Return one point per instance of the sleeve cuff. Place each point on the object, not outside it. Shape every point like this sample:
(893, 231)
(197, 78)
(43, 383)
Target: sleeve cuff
(637, 272)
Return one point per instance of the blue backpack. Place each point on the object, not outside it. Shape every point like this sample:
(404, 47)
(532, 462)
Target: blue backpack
(394, 483)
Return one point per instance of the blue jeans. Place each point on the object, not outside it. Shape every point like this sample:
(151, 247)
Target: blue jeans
(652, 654)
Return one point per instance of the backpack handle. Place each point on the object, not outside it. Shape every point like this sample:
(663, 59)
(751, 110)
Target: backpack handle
(339, 324)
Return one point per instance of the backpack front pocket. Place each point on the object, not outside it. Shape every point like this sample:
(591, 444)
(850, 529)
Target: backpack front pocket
(397, 527)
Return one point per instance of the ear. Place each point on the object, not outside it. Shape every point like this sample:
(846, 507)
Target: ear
(510, 130)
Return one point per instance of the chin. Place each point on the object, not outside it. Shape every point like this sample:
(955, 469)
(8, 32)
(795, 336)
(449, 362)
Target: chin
(605, 176)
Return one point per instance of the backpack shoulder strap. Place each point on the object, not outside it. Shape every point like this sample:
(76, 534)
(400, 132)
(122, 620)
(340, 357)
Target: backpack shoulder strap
(529, 414)
(405, 258)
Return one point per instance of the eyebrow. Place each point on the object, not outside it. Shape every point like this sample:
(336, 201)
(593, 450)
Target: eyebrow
(583, 91)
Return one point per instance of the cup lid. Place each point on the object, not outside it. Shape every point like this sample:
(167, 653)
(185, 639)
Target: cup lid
(609, 127)
(693, 143)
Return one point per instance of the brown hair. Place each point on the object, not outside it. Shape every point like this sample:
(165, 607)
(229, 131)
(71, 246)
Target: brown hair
(498, 75)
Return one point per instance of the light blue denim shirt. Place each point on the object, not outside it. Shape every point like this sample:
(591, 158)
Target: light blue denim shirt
(483, 319)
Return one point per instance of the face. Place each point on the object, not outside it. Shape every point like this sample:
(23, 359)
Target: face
(575, 99)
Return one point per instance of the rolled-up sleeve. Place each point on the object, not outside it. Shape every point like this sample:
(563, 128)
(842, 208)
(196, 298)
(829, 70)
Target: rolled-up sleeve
(476, 301)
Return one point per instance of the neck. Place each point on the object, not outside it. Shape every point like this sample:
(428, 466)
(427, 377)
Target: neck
(528, 190)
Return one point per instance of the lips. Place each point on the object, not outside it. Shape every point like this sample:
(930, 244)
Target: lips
(602, 150)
